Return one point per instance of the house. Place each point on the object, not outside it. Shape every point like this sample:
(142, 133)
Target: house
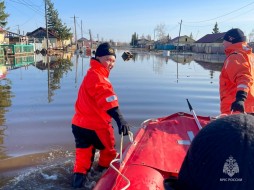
(182, 42)
(14, 38)
(7, 37)
(142, 43)
(2, 36)
(40, 35)
(251, 44)
(210, 43)
(83, 42)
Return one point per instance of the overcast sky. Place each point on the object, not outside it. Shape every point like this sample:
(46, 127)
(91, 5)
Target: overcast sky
(118, 19)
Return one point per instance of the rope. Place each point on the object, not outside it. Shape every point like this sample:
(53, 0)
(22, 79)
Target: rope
(130, 134)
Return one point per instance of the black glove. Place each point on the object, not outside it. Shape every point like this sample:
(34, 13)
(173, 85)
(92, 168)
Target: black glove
(238, 104)
(123, 126)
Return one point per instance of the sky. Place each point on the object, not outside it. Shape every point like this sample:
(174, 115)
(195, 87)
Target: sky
(118, 20)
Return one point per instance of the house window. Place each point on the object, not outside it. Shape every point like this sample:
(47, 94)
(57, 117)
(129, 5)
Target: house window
(186, 39)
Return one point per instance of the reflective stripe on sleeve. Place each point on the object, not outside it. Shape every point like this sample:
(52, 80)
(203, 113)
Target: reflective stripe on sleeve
(111, 98)
(242, 86)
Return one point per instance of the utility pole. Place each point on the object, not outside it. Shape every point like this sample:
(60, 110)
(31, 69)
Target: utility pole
(154, 34)
(18, 29)
(81, 30)
(179, 35)
(91, 40)
(46, 21)
(75, 31)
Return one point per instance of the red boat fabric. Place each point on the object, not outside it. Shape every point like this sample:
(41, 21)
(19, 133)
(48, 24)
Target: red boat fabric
(160, 142)
(157, 152)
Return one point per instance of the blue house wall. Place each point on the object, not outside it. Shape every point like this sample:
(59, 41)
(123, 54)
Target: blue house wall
(164, 47)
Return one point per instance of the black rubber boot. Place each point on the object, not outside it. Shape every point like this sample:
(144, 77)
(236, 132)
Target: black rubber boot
(78, 180)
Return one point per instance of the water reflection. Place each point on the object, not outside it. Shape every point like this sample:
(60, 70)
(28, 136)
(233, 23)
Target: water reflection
(5, 102)
(3, 71)
(56, 67)
(20, 61)
(212, 62)
(209, 58)
(182, 58)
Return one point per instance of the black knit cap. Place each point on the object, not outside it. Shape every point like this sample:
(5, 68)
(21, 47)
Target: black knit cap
(104, 49)
(221, 156)
(234, 35)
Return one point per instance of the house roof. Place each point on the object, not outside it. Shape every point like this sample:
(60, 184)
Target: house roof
(211, 38)
(176, 38)
(179, 37)
(39, 32)
(83, 40)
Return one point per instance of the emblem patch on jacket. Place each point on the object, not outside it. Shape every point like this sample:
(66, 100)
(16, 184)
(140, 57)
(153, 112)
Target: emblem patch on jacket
(230, 167)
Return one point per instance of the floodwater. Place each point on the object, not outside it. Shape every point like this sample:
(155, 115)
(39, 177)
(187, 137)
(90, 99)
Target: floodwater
(37, 104)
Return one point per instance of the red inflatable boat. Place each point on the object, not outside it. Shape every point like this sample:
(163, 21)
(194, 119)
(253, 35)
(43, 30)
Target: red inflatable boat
(155, 154)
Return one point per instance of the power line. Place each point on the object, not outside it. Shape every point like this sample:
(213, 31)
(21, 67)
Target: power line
(219, 22)
(18, 5)
(35, 8)
(222, 15)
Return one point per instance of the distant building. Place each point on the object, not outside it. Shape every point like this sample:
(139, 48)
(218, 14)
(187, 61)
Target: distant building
(2, 36)
(40, 35)
(142, 43)
(83, 42)
(251, 44)
(7, 37)
(15, 38)
(210, 43)
(182, 43)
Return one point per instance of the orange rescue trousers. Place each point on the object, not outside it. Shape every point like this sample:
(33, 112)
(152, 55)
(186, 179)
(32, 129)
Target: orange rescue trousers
(87, 141)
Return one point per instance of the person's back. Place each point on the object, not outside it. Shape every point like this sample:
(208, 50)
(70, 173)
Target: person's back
(221, 156)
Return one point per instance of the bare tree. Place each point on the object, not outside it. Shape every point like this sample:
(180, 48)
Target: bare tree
(148, 37)
(160, 32)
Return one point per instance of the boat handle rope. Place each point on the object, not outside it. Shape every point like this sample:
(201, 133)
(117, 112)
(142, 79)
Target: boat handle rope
(130, 134)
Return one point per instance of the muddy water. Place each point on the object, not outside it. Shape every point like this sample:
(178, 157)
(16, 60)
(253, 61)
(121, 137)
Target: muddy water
(36, 107)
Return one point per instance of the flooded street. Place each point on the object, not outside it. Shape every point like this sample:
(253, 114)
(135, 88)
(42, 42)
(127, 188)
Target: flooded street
(37, 105)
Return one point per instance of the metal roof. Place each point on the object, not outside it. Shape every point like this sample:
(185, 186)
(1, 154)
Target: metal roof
(212, 38)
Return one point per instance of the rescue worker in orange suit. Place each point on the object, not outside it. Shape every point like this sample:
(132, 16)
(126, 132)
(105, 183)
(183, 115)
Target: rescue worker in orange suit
(96, 105)
(237, 74)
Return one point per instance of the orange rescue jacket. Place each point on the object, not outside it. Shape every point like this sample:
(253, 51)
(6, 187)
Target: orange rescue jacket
(237, 74)
(95, 97)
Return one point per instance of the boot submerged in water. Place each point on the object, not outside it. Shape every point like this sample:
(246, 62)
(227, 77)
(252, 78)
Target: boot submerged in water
(78, 180)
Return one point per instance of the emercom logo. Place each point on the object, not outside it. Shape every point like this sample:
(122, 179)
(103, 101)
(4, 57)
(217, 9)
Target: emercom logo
(230, 168)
